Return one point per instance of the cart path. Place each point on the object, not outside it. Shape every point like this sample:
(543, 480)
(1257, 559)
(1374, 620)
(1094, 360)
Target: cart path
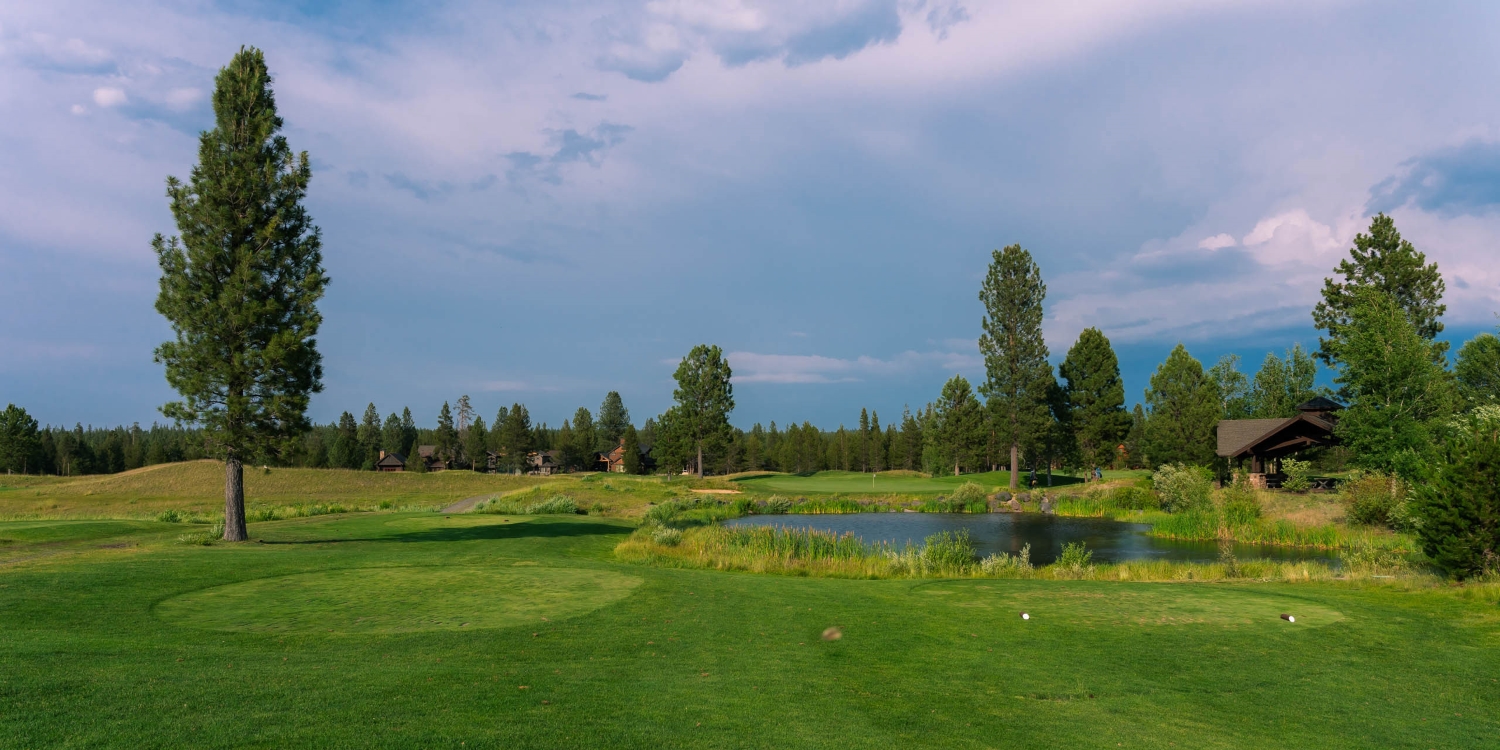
(467, 504)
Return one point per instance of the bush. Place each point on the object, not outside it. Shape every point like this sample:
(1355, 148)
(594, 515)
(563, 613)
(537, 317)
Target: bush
(777, 506)
(1002, 563)
(1128, 497)
(1182, 488)
(1240, 504)
(1370, 559)
(666, 537)
(558, 504)
(1374, 499)
(1076, 559)
(948, 551)
(1297, 473)
(170, 516)
(968, 492)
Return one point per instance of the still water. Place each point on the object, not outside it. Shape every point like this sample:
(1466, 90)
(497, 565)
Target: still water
(1110, 541)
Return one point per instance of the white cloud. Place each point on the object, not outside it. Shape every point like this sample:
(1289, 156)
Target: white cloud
(1216, 242)
(77, 109)
(108, 96)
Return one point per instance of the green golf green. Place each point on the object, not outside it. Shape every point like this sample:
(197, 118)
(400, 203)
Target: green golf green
(399, 599)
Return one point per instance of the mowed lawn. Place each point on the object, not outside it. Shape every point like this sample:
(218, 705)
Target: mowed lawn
(425, 630)
(899, 483)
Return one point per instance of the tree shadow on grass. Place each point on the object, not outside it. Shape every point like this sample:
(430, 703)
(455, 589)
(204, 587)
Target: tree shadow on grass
(531, 530)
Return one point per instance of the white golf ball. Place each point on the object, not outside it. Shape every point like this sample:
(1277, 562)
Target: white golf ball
(1025, 616)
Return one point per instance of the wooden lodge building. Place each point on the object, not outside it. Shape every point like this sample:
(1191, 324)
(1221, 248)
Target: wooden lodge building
(397, 462)
(1264, 442)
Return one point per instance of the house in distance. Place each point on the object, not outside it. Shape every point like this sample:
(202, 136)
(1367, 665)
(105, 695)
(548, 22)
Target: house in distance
(1264, 442)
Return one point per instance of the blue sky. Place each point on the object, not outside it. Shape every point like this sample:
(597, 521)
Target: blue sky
(541, 202)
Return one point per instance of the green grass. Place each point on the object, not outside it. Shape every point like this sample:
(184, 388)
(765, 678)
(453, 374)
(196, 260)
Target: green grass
(349, 630)
(900, 482)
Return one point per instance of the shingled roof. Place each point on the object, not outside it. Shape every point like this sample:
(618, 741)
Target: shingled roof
(1236, 435)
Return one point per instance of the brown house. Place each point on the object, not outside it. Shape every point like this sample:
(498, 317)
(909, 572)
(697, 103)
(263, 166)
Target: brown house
(391, 462)
(430, 455)
(543, 463)
(1264, 442)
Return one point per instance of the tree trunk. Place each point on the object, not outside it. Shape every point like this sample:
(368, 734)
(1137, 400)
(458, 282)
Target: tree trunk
(955, 468)
(234, 500)
(1015, 465)
(700, 460)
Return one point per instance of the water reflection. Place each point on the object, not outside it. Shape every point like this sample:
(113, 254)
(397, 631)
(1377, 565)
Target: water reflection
(1110, 541)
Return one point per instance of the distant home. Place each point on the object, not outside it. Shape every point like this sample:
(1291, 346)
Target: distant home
(614, 460)
(1264, 442)
(544, 463)
(391, 462)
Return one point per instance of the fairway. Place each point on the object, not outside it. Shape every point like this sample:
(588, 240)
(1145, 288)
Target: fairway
(420, 630)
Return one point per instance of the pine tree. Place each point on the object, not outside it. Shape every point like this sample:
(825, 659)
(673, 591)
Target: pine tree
(877, 444)
(1459, 505)
(1135, 440)
(613, 419)
(474, 445)
(346, 451)
(408, 433)
(1233, 387)
(864, 440)
(446, 438)
(1017, 375)
(1183, 412)
(390, 434)
(1381, 260)
(704, 397)
(19, 441)
(240, 286)
(515, 438)
(585, 442)
(1282, 384)
(1478, 371)
(911, 440)
(369, 438)
(1095, 397)
(632, 456)
(960, 425)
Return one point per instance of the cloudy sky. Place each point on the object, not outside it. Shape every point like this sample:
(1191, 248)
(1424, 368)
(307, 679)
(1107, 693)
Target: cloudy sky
(541, 202)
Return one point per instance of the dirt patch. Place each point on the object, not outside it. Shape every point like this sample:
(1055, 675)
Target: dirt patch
(717, 492)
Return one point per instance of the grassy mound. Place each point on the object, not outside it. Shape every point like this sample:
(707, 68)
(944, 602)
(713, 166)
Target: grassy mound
(399, 599)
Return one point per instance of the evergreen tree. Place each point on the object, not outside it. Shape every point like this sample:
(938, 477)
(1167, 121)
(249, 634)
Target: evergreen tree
(1017, 375)
(1282, 384)
(893, 459)
(408, 433)
(1397, 392)
(1095, 397)
(632, 456)
(1478, 371)
(755, 447)
(1135, 440)
(1233, 387)
(613, 419)
(346, 451)
(415, 463)
(446, 438)
(369, 438)
(1183, 412)
(911, 440)
(585, 442)
(475, 442)
(864, 440)
(1382, 261)
(465, 415)
(240, 285)
(877, 444)
(516, 438)
(704, 397)
(960, 425)
(1460, 504)
(20, 446)
(390, 434)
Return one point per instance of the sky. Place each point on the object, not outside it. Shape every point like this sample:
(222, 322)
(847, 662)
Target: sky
(540, 202)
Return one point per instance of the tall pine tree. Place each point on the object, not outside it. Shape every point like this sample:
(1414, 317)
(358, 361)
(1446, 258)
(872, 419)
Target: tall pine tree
(1182, 412)
(1095, 397)
(613, 419)
(240, 285)
(1383, 261)
(1017, 375)
(704, 398)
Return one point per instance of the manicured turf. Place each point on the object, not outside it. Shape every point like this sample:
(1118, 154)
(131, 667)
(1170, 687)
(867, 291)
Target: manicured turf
(899, 483)
(341, 631)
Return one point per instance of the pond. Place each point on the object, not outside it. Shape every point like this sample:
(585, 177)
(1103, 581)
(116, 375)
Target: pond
(1110, 541)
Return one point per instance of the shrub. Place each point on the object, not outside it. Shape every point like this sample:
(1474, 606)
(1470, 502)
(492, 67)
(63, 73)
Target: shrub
(1373, 498)
(1460, 506)
(1076, 559)
(1001, 564)
(1239, 502)
(777, 506)
(1297, 473)
(1128, 497)
(560, 504)
(170, 515)
(1370, 559)
(948, 551)
(968, 492)
(666, 537)
(1182, 488)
